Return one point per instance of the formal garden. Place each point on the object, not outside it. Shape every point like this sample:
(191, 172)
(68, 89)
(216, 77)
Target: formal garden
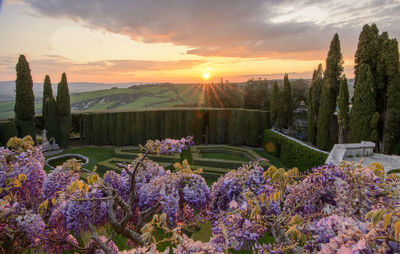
(150, 199)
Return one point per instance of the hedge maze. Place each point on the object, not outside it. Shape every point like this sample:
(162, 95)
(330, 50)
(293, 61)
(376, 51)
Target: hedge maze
(212, 168)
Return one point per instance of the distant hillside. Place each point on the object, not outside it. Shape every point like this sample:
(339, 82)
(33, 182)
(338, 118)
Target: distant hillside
(129, 96)
(7, 88)
(99, 96)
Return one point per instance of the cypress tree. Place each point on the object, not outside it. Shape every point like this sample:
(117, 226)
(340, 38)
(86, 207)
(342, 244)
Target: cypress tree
(375, 127)
(63, 100)
(334, 66)
(333, 71)
(323, 139)
(24, 101)
(343, 114)
(363, 105)
(314, 97)
(367, 49)
(63, 112)
(47, 92)
(50, 118)
(390, 59)
(280, 111)
(50, 121)
(273, 109)
(287, 102)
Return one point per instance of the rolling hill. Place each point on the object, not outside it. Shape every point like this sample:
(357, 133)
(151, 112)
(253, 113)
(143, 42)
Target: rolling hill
(123, 96)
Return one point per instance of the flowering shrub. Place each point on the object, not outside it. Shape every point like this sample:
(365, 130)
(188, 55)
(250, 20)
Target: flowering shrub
(343, 208)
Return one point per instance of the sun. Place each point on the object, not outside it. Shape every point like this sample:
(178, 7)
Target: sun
(206, 75)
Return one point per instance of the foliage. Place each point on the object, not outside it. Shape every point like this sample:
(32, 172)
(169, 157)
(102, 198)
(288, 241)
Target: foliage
(63, 112)
(363, 106)
(215, 126)
(343, 114)
(222, 95)
(256, 94)
(47, 93)
(291, 153)
(346, 208)
(390, 57)
(285, 109)
(324, 140)
(24, 100)
(314, 97)
(327, 126)
(380, 54)
(273, 109)
(50, 119)
(7, 131)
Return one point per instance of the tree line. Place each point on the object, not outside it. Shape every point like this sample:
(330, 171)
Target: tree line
(56, 112)
(374, 114)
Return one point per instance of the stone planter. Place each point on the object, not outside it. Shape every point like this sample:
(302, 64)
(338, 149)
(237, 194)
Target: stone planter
(69, 156)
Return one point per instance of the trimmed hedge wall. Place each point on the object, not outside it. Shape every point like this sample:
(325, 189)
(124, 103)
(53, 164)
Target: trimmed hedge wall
(64, 125)
(25, 128)
(292, 154)
(223, 126)
(7, 131)
(134, 127)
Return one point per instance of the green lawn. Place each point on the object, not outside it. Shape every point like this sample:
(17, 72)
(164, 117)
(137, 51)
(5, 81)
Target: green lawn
(222, 156)
(273, 160)
(95, 154)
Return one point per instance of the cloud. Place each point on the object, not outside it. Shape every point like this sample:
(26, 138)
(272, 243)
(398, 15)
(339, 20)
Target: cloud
(55, 65)
(251, 28)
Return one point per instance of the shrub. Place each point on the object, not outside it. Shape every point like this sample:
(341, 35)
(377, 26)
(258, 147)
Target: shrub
(7, 131)
(292, 154)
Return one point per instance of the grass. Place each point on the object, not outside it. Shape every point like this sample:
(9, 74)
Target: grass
(155, 96)
(222, 156)
(95, 155)
(273, 160)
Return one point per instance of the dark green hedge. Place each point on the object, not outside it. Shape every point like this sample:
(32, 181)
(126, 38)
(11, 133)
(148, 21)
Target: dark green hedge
(25, 128)
(214, 126)
(292, 154)
(65, 126)
(7, 131)
(134, 127)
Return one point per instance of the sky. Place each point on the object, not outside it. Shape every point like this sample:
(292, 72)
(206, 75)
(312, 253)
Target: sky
(183, 41)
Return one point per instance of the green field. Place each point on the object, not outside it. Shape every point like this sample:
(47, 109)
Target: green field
(135, 97)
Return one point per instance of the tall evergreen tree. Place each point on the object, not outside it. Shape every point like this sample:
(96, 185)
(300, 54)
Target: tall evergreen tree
(287, 99)
(314, 97)
(367, 49)
(343, 114)
(390, 59)
(333, 71)
(363, 105)
(63, 112)
(274, 104)
(324, 140)
(24, 101)
(50, 119)
(63, 99)
(280, 111)
(47, 92)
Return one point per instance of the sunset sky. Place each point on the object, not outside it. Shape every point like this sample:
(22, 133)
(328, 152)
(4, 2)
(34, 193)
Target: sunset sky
(182, 40)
